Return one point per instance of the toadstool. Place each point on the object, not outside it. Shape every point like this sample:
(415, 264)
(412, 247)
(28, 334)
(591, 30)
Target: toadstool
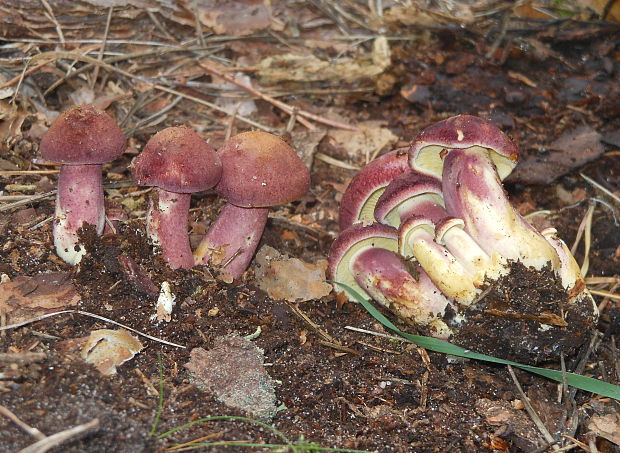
(471, 156)
(259, 170)
(178, 162)
(364, 258)
(359, 199)
(81, 140)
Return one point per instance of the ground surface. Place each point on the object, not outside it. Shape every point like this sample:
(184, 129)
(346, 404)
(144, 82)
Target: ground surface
(550, 84)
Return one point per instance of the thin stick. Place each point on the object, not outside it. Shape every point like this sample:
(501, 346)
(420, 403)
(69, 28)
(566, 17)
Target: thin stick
(335, 162)
(56, 439)
(601, 292)
(28, 172)
(378, 334)
(17, 78)
(34, 432)
(102, 48)
(279, 104)
(530, 410)
(51, 17)
(92, 315)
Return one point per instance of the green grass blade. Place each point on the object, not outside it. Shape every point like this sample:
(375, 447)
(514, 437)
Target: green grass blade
(433, 344)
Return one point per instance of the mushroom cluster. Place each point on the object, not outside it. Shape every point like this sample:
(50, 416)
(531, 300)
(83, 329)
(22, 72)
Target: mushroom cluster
(247, 171)
(431, 233)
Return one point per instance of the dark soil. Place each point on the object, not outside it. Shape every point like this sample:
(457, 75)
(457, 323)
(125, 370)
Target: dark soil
(358, 391)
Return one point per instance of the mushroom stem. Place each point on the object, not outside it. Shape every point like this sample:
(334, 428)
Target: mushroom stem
(449, 233)
(384, 276)
(237, 231)
(473, 192)
(417, 239)
(166, 226)
(79, 201)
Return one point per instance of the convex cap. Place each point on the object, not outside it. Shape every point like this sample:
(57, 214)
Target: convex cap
(261, 170)
(177, 159)
(83, 135)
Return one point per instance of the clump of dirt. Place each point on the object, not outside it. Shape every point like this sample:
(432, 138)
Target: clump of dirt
(526, 316)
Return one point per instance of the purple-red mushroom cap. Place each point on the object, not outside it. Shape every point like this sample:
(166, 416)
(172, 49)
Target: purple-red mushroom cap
(359, 200)
(461, 132)
(261, 170)
(350, 243)
(177, 159)
(83, 135)
(409, 192)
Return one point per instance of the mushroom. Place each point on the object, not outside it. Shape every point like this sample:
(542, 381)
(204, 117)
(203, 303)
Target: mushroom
(416, 238)
(81, 140)
(178, 162)
(359, 200)
(364, 258)
(259, 170)
(471, 155)
(408, 194)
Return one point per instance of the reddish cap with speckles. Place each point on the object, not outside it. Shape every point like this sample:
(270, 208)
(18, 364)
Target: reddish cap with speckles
(261, 170)
(177, 159)
(83, 135)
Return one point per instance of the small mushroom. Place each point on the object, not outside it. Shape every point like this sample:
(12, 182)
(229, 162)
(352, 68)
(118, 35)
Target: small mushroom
(416, 238)
(364, 258)
(178, 162)
(359, 200)
(471, 155)
(409, 194)
(81, 140)
(259, 170)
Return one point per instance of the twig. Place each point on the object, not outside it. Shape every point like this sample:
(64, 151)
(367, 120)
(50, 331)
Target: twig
(335, 162)
(378, 334)
(17, 78)
(56, 439)
(601, 292)
(50, 15)
(92, 315)
(530, 410)
(317, 329)
(279, 104)
(34, 432)
(28, 172)
(102, 47)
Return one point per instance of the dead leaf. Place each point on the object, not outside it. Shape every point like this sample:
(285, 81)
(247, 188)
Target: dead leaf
(370, 137)
(234, 372)
(238, 18)
(571, 150)
(106, 349)
(305, 143)
(607, 426)
(27, 297)
(290, 278)
(611, 8)
(309, 68)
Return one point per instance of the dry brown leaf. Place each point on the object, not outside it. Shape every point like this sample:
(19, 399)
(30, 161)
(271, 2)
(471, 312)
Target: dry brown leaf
(601, 6)
(370, 137)
(607, 426)
(290, 278)
(27, 297)
(309, 68)
(238, 18)
(234, 372)
(106, 349)
(570, 150)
